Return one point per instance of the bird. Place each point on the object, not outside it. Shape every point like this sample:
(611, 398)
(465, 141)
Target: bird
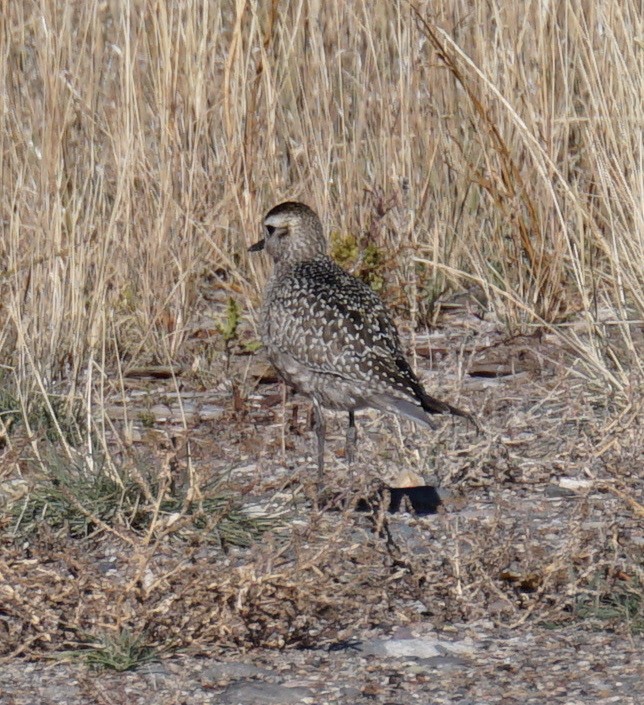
(329, 335)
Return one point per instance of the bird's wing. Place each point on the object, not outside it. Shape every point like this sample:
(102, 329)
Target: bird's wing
(332, 323)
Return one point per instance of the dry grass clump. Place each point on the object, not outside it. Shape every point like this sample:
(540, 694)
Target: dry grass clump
(493, 147)
(319, 586)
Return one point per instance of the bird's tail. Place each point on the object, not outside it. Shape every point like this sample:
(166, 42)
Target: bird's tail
(420, 410)
(431, 405)
(416, 403)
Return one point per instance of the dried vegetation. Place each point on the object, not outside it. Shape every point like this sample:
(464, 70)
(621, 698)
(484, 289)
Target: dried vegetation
(479, 163)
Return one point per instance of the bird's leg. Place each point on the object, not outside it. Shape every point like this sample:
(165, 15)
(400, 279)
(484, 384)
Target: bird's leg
(320, 431)
(352, 438)
(283, 438)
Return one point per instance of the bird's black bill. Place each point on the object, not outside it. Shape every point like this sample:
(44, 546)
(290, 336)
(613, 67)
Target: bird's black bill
(257, 247)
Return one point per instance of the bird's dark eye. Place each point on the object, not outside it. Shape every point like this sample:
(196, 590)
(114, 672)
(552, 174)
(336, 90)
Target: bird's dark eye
(279, 231)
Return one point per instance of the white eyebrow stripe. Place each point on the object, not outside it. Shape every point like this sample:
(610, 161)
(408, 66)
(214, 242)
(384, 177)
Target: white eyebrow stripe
(274, 220)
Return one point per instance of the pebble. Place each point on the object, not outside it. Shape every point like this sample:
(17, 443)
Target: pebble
(422, 648)
(249, 693)
(231, 670)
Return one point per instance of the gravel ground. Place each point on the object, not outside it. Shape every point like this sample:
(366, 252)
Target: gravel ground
(465, 664)
(471, 605)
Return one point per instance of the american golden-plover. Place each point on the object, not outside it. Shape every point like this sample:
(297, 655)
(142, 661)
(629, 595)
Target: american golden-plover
(329, 335)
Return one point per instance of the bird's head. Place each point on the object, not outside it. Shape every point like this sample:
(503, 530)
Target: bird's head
(292, 233)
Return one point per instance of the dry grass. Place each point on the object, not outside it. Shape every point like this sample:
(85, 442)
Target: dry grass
(494, 147)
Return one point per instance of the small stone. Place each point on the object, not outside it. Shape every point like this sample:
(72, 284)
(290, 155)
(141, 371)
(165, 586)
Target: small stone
(427, 648)
(231, 670)
(245, 693)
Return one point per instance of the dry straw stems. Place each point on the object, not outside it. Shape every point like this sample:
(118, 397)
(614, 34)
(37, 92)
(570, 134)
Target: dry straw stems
(142, 141)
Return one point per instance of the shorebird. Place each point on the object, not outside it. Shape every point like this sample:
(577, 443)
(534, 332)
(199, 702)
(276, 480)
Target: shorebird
(329, 335)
